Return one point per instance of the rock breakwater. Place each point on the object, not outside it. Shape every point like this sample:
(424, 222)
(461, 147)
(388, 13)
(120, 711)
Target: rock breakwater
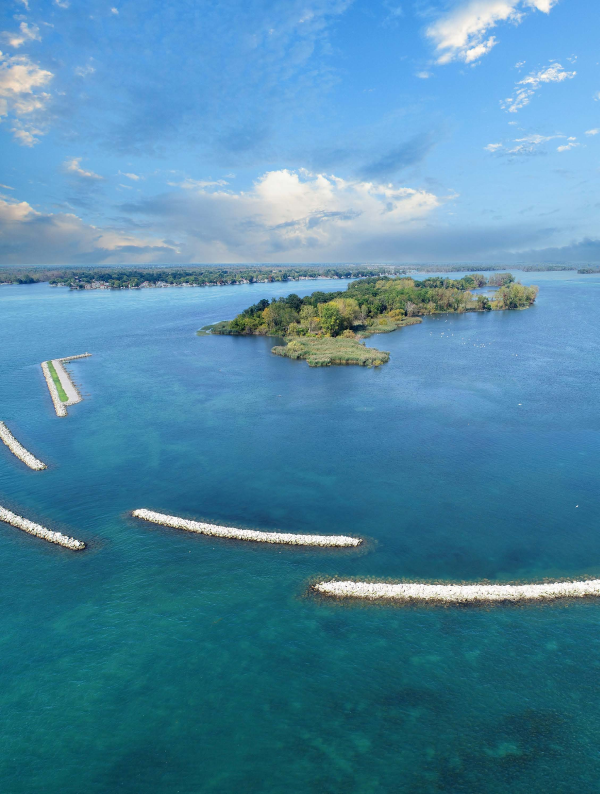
(69, 388)
(457, 593)
(246, 534)
(19, 450)
(40, 531)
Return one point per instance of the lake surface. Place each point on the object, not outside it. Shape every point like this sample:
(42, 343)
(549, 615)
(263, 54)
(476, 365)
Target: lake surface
(162, 662)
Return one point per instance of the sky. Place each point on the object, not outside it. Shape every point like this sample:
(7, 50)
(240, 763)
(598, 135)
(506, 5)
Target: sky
(299, 131)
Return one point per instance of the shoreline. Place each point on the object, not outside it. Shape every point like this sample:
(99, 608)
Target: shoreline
(19, 450)
(414, 592)
(330, 541)
(39, 531)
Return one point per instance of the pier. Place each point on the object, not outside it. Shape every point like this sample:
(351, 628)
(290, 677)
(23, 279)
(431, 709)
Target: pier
(246, 534)
(458, 593)
(70, 395)
(19, 450)
(39, 531)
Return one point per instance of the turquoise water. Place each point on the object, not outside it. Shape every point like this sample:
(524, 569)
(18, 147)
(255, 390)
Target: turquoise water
(158, 661)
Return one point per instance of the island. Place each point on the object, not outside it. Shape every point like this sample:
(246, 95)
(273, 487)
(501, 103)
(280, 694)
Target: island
(328, 328)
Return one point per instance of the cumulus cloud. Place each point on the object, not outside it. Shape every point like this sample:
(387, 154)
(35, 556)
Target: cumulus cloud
(296, 216)
(30, 237)
(134, 177)
(592, 132)
(462, 33)
(24, 35)
(285, 216)
(21, 98)
(72, 166)
(527, 87)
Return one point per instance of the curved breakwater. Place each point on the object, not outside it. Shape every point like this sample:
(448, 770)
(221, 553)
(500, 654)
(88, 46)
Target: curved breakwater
(19, 450)
(65, 380)
(246, 534)
(40, 531)
(458, 593)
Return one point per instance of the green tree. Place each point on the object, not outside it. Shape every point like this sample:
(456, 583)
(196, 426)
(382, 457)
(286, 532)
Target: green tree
(331, 319)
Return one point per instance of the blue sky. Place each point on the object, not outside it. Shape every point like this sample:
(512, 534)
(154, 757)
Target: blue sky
(313, 131)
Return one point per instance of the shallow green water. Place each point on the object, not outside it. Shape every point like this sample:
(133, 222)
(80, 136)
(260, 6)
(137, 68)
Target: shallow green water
(157, 661)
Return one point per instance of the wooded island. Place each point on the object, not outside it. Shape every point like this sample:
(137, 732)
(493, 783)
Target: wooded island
(327, 327)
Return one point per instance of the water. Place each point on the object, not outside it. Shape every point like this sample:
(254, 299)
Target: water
(157, 661)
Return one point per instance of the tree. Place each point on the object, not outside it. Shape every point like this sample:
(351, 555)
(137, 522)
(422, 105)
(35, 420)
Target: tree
(331, 319)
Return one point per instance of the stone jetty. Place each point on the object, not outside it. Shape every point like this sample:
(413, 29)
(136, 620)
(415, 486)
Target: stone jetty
(246, 534)
(69, 387)
(40, 531)
(19, 450)
(458, 593)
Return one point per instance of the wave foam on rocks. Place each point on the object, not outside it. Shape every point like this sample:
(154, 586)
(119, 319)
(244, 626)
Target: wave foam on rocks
(40, 531)
(459, 594)
(19, 450)
(246, 534)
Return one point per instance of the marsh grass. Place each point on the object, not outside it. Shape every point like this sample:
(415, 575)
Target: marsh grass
(324, 351)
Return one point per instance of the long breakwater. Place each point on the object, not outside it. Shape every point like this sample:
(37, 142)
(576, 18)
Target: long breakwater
(70, 390)
(246, 534)
(19, 450)
(458, 593)
(39, 531)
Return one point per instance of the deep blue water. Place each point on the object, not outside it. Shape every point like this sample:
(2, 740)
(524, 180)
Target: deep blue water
(158, 661)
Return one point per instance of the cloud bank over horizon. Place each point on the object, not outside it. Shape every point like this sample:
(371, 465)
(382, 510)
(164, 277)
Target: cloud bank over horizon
(302, 131)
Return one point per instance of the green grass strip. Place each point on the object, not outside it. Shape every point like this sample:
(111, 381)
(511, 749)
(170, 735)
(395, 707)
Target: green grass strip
(59, 387)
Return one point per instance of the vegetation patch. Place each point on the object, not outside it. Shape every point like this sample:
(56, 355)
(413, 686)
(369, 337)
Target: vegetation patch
(59, 387)
(325, 351)
(325, 328)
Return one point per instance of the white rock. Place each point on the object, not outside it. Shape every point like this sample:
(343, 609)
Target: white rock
(458, 593)
(19, 450)
(246, 534)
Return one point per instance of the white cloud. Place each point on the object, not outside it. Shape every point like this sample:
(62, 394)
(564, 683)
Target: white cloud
(73, 166)
(520, 64)
(197, 184)
(25, 34)
(83, 71)
(592, 132)
(597, 96)
(461, 33)
(21, 98)
(28, 237)
(528, 144)
(135, 177)
(62, 3)
(25, 3)
(572, 143)
(284, 216)
(114, 11)
(423, 75)
(294, 215)
(6, 187)
(527, 87)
